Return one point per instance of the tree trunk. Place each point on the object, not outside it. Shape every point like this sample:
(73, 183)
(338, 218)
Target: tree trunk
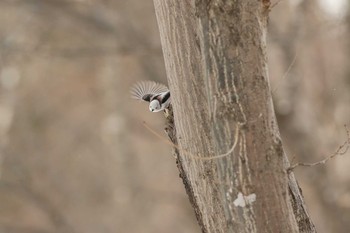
(231, 157)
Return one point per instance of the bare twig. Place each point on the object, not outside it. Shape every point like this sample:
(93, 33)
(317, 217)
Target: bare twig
(287, 72)
(342, 149)
(189, 153)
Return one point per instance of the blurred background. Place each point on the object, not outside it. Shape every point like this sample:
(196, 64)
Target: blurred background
(74, 156)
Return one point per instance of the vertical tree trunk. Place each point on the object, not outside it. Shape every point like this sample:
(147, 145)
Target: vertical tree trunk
(215, 56)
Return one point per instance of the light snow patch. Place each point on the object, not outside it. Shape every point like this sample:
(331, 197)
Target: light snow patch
(242, 200)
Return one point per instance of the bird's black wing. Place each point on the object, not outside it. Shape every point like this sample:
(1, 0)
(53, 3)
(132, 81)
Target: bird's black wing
(147, 97)
(166, 97)
(146, 90)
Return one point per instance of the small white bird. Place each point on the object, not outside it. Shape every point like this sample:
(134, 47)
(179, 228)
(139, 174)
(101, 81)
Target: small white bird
(157, 94)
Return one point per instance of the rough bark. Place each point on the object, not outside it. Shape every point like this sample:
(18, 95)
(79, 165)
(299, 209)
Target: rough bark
(215, 56)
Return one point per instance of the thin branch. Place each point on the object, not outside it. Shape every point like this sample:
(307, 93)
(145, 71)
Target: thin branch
(287, 72)
(342, 149)
(189, 153)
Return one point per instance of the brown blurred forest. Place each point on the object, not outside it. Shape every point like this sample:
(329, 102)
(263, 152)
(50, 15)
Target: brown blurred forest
(74, 156)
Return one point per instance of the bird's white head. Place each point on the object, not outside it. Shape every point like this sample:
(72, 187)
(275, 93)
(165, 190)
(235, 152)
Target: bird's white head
(154, 106)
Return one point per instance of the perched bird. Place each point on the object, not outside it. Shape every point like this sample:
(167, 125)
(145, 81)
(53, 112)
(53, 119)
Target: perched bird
(158, 95)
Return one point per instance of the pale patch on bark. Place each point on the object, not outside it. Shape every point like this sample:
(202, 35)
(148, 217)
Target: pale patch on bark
(243, 201)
